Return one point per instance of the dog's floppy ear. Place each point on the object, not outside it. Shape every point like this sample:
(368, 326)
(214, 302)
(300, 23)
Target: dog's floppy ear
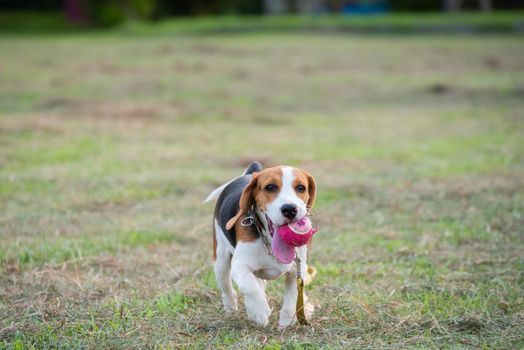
(245, 202)
(312, 189)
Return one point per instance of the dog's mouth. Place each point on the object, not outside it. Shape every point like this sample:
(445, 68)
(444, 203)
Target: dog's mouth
(272, 226)
(282, 250)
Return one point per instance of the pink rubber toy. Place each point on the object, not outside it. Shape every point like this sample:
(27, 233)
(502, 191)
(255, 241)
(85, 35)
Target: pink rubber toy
(297, 233)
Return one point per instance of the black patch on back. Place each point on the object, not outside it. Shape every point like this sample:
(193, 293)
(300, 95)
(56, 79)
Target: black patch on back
(227, 205)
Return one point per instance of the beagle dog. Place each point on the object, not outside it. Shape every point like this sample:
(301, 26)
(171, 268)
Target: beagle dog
(248, 210)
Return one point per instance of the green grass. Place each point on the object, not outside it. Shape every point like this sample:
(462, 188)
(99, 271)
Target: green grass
(109, 143)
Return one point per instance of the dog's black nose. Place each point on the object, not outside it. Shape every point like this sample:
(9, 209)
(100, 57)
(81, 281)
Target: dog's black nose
(289, 211)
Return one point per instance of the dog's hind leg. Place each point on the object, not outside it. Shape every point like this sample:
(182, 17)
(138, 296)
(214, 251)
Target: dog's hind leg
(222, 267)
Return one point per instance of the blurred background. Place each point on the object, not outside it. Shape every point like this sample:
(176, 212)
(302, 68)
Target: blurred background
(113, 12)
(117, 118)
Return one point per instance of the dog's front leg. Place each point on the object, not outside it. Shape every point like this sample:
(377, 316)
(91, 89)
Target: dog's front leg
(257, 307)
(288, 315)
(288, 312)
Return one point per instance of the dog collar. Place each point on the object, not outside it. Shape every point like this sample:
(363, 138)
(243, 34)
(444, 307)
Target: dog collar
(264, 227)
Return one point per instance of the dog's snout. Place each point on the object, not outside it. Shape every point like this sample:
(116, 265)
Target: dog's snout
(289, 211)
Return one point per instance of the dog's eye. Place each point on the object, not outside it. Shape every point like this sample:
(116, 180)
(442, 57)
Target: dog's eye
(271, 188)
(301, 188)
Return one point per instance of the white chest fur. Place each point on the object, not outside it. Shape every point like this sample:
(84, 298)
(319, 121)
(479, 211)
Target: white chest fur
(254, 257)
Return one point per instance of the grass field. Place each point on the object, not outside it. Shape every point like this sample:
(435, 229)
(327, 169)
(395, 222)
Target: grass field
(108, 144)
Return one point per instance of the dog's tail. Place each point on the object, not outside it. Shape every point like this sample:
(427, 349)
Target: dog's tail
(252, 168)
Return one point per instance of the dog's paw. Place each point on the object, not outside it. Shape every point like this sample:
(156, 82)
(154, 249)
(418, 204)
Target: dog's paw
(230, 309)
(260, 319)
(230, 303)
(309, 309)
(287, 318)
(258, 311)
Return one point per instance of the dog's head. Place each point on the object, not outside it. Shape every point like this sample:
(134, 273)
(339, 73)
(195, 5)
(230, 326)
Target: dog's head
(283, 193)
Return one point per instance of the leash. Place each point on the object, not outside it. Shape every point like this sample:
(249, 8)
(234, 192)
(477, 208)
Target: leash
(261, 226)
(301, 315)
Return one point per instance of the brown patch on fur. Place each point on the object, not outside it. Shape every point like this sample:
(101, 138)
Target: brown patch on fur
(306, 179)
(254, 193)
(245, 202)
(308, 196)
(245, 234)
(266, 177)
(234, 220)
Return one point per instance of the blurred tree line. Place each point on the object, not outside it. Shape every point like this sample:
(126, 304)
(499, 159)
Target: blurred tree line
(111, 12)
